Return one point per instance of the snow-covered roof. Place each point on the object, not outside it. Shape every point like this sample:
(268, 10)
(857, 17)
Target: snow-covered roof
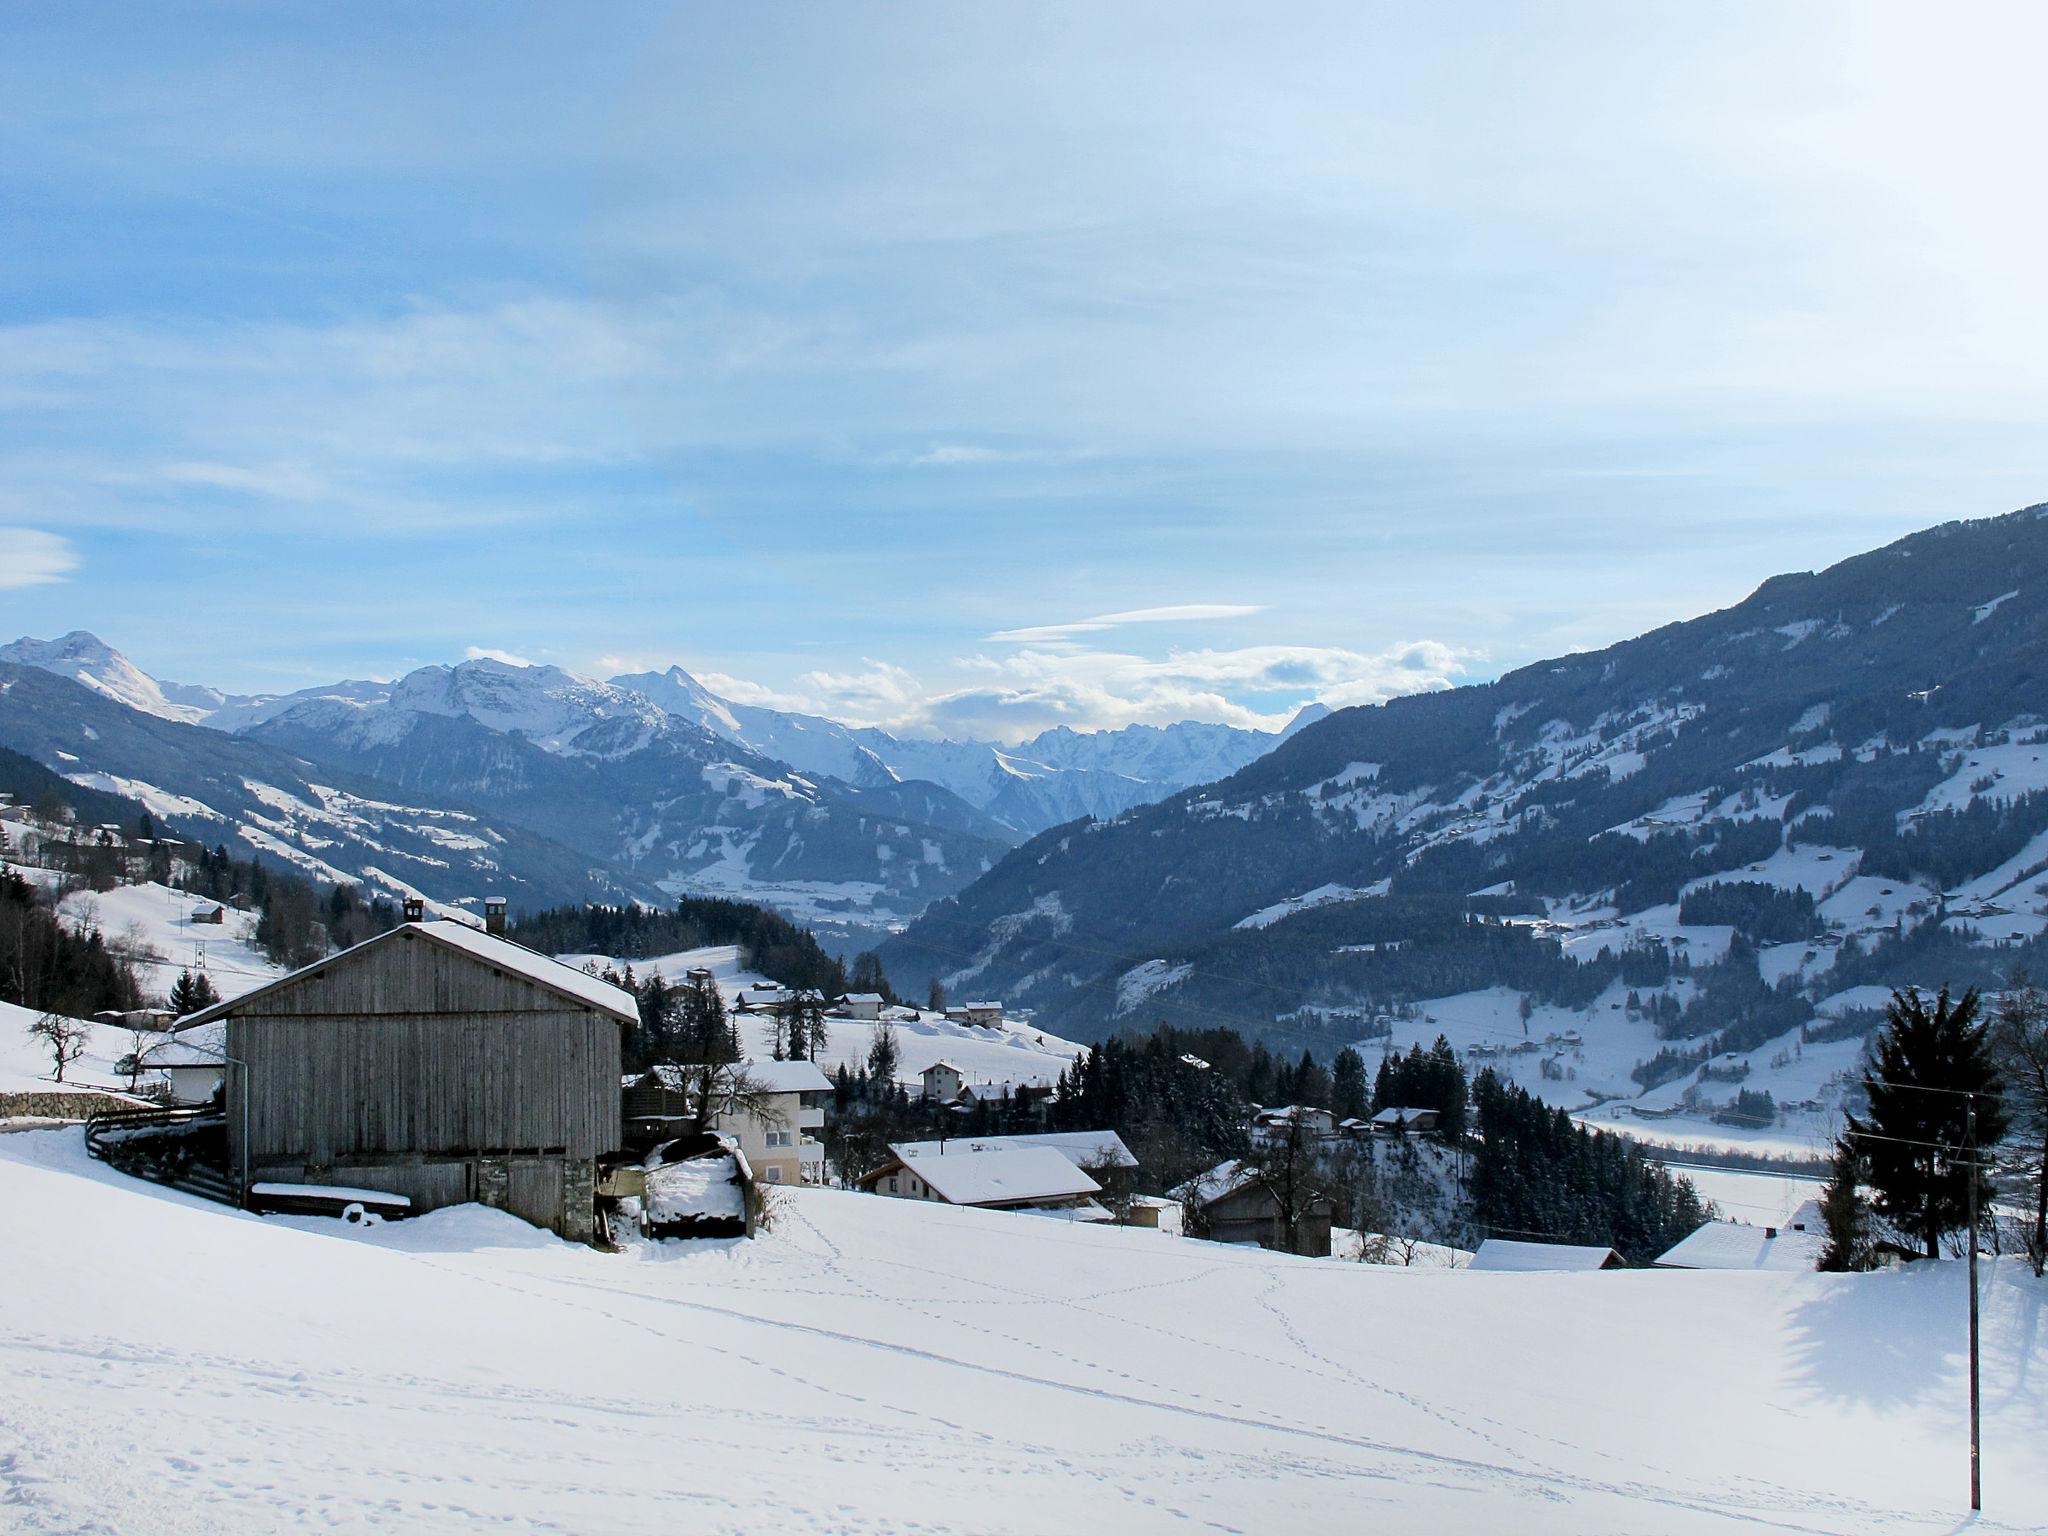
(995, 1093)
(946, 1065)
(1405, 1116)
(788, 1076)
(1082, 1148)
(1004, 1177)
(1284, 1112)
(1737, 1245)
(1499, 1253)
(490, 948)
(863, 997)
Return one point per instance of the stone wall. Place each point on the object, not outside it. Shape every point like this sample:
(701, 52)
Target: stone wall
(59, 1103)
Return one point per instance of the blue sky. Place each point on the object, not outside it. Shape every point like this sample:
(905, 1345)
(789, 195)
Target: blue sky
(985, 368)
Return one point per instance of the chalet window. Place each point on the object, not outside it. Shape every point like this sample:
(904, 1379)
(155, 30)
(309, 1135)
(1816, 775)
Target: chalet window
(779, 1138)
(892, 1184)
(772, 1175)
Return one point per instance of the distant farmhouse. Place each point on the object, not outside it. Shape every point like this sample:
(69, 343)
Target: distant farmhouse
(1796, 1245)
(1027, 1178)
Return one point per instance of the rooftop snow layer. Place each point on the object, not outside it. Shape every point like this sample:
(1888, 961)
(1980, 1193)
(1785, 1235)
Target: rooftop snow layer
(1002, 1177)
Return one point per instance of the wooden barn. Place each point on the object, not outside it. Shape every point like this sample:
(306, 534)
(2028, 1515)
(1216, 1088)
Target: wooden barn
(434, 1061)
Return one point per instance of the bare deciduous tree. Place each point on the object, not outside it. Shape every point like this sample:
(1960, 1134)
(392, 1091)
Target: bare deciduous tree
(65, 1037)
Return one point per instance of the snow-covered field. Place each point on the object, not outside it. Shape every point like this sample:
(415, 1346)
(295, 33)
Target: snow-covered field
(885, 1366)
(1013, 1053)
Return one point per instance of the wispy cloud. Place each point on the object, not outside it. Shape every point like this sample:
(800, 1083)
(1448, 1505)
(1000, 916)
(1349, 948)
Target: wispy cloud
(491, 653)
(1178, 613)
(29, 557)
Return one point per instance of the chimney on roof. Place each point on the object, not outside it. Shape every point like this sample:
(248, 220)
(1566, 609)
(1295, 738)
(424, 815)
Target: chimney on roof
(1770, 1232)
(494, 914)
(415, 909)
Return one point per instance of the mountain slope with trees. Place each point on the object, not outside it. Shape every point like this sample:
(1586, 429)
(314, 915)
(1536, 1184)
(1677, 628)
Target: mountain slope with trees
(1729, 832)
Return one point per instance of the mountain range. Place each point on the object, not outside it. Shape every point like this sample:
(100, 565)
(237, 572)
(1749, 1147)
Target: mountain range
(1730, 834)
(657, 782)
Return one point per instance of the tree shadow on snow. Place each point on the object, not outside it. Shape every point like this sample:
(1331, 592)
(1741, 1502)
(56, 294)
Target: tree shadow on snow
(1882, 1339)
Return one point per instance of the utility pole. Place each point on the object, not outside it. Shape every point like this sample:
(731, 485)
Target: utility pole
(1970, 1151)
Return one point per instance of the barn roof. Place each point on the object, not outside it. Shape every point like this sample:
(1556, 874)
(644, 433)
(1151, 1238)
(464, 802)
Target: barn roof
(1526, 1258)
(515, 959)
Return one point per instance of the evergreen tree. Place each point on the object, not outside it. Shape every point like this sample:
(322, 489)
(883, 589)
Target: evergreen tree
(1347, 1085)
(935, 996)
(703, 1031)
(884, 1056)
(1930, 1065)
(1844, 1214)
(192, 991)
(868, 976)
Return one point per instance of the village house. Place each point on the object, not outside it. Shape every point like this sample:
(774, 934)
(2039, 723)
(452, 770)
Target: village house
(1030, 1097)
(942, 1082)
(1506, 1256)
(1270, 1127)
(1234, 1203)
(192, 1066)
(1394, 1121)
(980, 1015)
(1006, 1179)
(434, 1061)
(865, 1006)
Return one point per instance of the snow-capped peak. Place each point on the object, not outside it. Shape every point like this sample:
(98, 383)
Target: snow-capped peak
(548, 706)
(681, 694)
(86, 659)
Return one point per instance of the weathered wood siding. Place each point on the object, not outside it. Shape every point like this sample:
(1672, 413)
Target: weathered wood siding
(418, 1061)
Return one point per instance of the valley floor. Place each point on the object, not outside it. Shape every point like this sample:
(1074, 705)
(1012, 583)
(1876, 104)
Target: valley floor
(883, 1366)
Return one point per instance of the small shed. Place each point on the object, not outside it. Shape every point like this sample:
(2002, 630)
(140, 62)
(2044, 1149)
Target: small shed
(1234, 1203)
(434, 1061)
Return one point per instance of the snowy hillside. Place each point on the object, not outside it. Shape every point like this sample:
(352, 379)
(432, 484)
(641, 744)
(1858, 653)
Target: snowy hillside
(150, 926)
(878, 1365)
(1642, 881)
